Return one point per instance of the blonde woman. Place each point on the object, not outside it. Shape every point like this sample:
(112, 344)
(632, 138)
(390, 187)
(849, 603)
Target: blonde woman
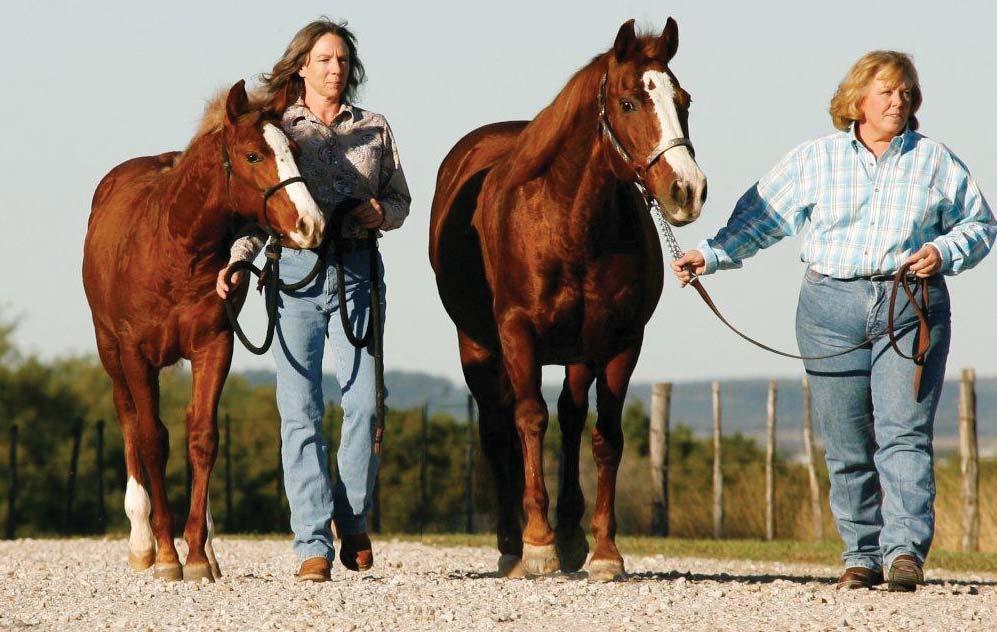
(345, 152)
(877, 194)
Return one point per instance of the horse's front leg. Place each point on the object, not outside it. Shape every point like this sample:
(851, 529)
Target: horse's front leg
(519, 356)
(607, 449)
(209, 366)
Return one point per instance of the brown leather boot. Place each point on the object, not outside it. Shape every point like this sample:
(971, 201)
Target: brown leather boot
(355, 551)
(905, 574)
(314, 569)
(857, 577)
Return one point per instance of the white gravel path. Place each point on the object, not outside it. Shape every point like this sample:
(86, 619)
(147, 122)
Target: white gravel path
(85, 584)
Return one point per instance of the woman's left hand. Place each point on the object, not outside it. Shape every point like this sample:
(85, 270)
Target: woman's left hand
(925, 262)
(369, 214)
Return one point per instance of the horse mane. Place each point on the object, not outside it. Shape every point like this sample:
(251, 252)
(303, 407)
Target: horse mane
(213, 116)
(541, 139)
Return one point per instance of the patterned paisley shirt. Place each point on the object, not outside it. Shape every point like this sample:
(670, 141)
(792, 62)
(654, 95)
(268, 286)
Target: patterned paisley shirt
(866, 215)
(355, 157)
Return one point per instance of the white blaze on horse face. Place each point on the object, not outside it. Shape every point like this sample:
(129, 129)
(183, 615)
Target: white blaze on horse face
(311, 222)
(138, 507)
(660, 89)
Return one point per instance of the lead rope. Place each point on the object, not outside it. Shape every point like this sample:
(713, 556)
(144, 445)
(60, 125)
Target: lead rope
(665, 230)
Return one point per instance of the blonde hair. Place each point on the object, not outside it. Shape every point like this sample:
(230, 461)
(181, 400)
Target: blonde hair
(285, 71)
(890, 66)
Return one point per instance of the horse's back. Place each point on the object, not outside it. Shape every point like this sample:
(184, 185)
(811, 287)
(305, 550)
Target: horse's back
(454, 247)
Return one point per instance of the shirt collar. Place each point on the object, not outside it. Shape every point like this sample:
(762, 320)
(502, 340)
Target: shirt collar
(901, 142)
(298, 111)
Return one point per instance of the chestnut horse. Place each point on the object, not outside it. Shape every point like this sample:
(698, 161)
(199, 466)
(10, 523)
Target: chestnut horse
(159, 232)
(545, 253)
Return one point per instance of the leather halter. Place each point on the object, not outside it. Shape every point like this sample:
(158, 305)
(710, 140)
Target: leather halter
(640, 168)
(267, 193)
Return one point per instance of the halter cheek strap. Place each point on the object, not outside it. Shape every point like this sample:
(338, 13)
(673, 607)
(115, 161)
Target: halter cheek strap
(640, 168)
(267, 193)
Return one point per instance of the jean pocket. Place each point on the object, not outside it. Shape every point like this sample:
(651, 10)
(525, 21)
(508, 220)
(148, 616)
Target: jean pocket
(814, 278)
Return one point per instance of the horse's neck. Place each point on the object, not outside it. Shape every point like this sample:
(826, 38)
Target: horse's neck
(198, 219)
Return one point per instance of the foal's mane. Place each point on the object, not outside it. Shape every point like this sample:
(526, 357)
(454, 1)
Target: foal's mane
(213, 116)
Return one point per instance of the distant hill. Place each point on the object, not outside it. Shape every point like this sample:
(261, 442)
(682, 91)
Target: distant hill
(743, 401)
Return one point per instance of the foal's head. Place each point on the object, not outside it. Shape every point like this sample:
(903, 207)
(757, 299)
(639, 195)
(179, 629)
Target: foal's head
(258, 156)
(647, 110)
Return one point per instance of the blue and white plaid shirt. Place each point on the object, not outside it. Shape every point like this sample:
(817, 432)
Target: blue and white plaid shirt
(866, 216)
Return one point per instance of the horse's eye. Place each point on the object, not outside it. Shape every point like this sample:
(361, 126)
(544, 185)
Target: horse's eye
(627, 105)
(253, 158)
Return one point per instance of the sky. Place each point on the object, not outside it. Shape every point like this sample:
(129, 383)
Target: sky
(88, 85)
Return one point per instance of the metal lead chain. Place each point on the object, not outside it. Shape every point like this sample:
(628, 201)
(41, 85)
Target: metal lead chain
(664, 228)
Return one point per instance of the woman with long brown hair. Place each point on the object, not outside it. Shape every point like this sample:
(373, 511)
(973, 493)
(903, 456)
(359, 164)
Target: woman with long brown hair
(345, 153)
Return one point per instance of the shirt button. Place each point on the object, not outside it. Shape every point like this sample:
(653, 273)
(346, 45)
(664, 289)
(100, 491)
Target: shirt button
(877, 189)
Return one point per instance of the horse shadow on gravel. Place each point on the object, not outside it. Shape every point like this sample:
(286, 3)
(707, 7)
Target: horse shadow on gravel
(672, 576)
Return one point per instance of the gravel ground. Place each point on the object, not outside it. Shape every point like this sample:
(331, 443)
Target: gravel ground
(87, 585)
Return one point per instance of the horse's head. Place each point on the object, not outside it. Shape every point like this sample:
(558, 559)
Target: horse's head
(645, 119)
(259, 162)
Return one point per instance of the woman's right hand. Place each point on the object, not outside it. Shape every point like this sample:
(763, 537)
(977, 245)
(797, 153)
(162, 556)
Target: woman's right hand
(222, 287)
(694, 260)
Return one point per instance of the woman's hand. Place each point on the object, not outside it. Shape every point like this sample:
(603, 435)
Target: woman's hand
(369, 214)
(693, 259)
(925, 262)
(222, 287)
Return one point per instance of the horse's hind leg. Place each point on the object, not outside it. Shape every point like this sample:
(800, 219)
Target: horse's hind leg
(141, 544)
(209, 367)
(153, 448)
(607, 448)
(486, 378)
(572, 410)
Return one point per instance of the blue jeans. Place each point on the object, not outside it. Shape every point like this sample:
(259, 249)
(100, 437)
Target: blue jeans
(877, 439)
(305, 318)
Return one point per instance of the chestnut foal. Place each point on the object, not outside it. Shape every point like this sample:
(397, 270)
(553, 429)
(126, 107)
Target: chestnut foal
(159, 233)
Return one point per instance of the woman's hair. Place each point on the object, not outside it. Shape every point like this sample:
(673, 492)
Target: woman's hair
(890, 66)
(285, 71)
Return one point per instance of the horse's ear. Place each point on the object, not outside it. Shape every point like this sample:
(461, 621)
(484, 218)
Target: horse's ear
(668, 43)
(281, 99)
(237, 102)
(626, 41)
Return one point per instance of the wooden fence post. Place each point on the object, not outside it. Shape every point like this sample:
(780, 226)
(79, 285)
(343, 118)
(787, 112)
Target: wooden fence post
(969, 462)
(469, 468)
(11, 530)
(661, 397)
(770, 463)
(718, 480)
(229, 521)
(816, 506)
(101, 515)
(424, 417)
(74, 461)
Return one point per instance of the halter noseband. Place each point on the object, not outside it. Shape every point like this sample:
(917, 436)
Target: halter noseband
(267, 193)
(657, 152)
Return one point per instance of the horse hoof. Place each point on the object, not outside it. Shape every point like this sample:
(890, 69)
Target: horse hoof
(168, 572)
(572, 550)
(540, 560)
(141, 560)
(606, 570)
(216, 572)
(197, 571)
(511, 567)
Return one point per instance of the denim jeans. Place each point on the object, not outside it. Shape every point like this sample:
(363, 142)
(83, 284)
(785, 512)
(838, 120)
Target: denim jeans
(877, 439)
(305, 318)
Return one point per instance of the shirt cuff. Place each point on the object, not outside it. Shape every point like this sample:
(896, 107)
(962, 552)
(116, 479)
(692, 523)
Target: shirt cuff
(712, 262)
(944, 253)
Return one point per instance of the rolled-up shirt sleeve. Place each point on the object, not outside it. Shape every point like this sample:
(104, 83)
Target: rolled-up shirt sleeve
(967, 222)
(248, 244)
(394, 195)
(775, 207)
